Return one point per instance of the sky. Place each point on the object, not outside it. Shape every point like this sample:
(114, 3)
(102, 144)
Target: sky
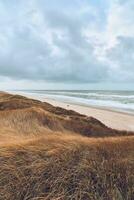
(66, 44)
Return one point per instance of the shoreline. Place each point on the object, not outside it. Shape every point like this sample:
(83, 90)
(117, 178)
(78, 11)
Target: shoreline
(111, 118)
(92, 106)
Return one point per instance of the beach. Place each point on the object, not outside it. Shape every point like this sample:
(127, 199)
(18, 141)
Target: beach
(113, 119)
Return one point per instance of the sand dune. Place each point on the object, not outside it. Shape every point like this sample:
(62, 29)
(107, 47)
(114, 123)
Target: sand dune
(113, 119)
(52, 153)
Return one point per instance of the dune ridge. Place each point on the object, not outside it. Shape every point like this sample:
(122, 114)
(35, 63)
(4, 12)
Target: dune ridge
(51, 153)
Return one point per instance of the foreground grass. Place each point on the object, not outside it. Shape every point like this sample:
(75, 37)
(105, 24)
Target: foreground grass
(69, 167)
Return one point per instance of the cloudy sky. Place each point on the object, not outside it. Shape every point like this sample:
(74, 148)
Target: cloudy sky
(67, 44)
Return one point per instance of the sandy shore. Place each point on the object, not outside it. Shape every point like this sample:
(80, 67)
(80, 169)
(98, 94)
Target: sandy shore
(113, 119)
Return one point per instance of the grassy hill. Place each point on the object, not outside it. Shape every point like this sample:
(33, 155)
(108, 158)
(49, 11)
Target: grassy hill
(49, 153)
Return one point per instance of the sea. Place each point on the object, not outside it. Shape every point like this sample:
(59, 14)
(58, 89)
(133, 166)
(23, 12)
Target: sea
(122, 101)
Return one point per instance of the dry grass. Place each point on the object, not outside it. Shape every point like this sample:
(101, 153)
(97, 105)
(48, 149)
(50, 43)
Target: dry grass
(45, 154)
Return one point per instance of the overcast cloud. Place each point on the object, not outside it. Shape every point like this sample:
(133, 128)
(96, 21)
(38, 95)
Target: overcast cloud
(67, 41)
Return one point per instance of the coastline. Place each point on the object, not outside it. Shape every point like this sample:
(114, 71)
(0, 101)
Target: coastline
(111, 118)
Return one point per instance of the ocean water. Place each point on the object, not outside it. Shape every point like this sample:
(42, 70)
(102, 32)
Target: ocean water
(114, 100)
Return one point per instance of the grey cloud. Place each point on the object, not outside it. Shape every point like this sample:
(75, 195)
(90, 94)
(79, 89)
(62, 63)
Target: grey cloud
(122, 57)
(27, 54)
(44, 40)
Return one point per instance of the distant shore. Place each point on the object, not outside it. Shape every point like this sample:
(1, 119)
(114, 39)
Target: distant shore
(113, 119)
